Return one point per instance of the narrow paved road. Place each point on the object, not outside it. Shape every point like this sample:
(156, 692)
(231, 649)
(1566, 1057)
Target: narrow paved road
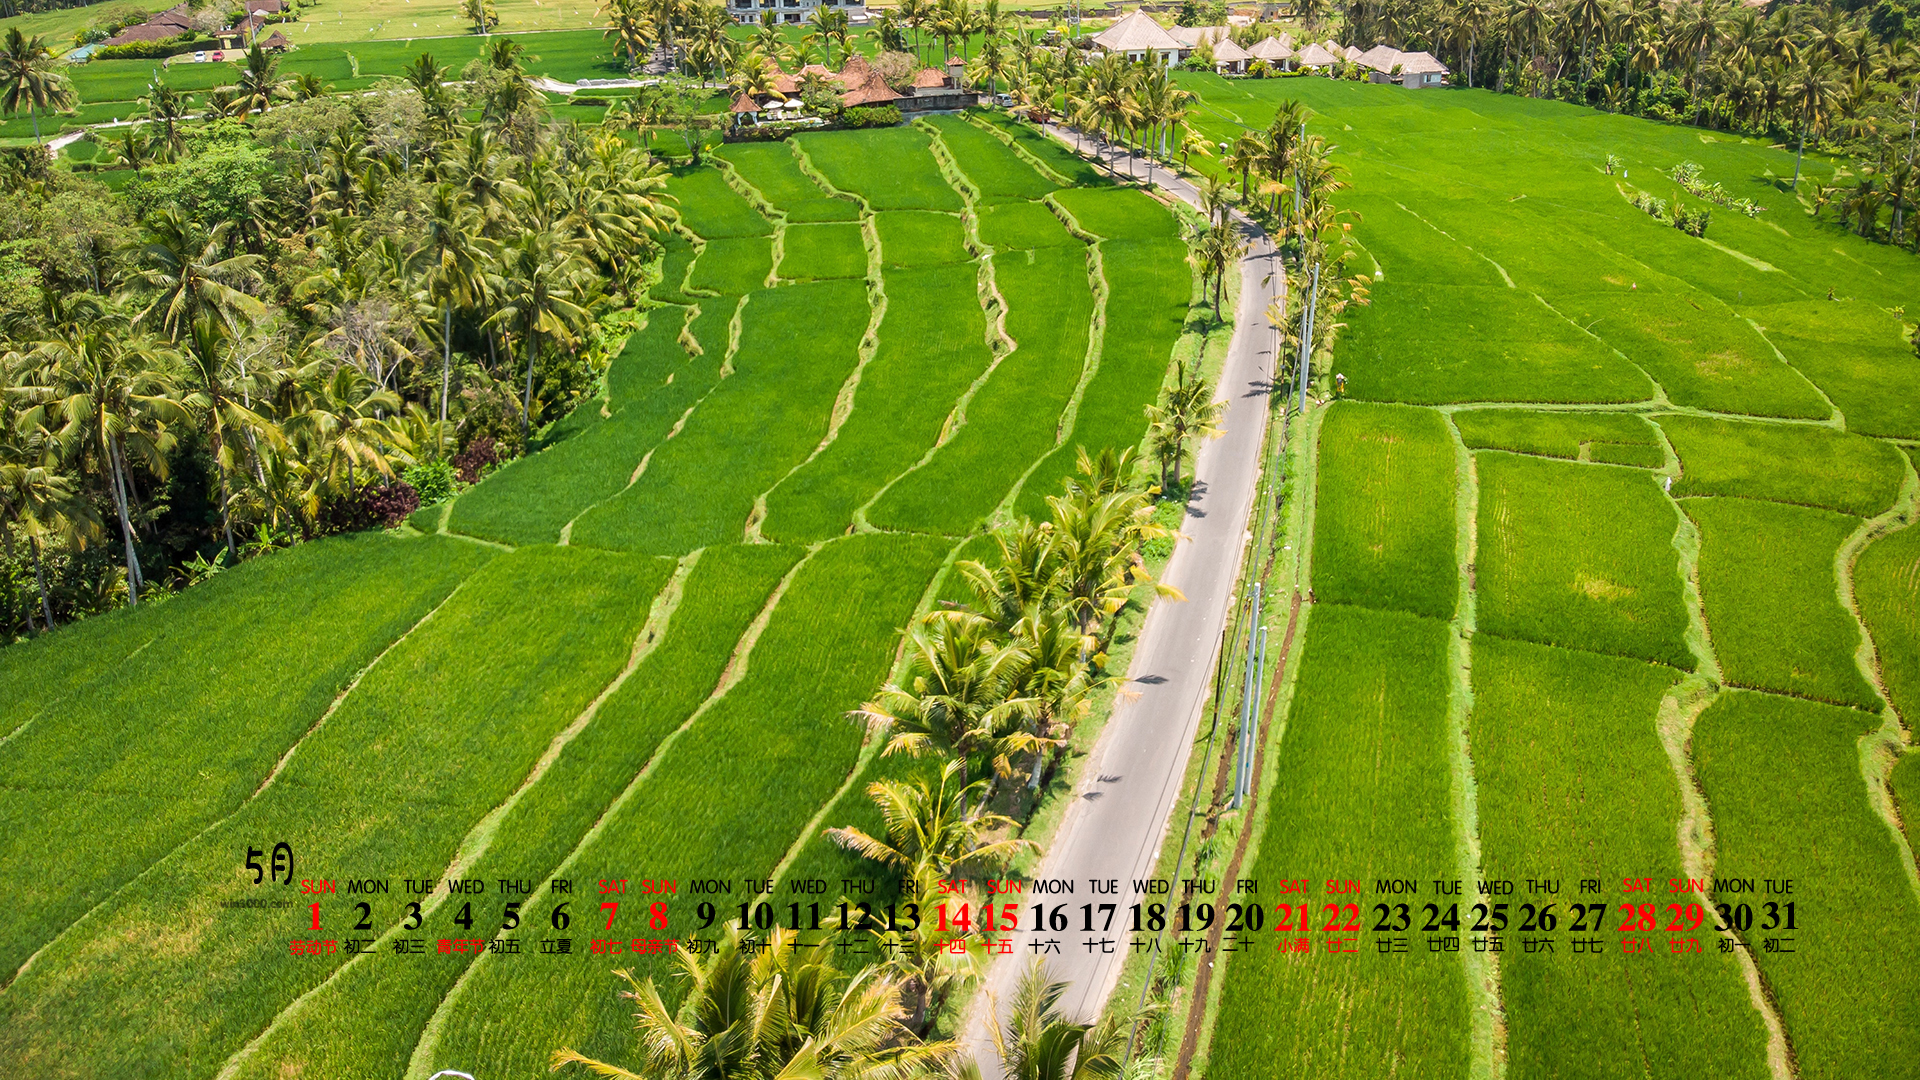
(1113, 831)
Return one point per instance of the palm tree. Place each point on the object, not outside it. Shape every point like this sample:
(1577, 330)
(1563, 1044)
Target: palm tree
(1039, 1043)
(1187, 411)
(928, 828)
(1812, 96)
(627, 24)
(189, 279)
(167, 107)
(954, 695)
(31, 76)
(1213, 251)
(1586, 16)
(456, 254)
(218, 388)
(39, 501)
(541, 299)
(259, 84)
(103, 393)
(783, 1013)
(337, 419)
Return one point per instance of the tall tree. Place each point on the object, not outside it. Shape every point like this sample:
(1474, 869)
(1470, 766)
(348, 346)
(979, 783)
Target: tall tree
(31, 76)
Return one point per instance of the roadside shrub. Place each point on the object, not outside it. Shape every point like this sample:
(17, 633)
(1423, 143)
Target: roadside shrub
(869, 116)
(154, 50)
(588, 100)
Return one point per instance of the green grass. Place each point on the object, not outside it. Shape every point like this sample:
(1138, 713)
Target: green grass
(1580, 556)
(1886, 586)
(1383, 527)
(1613, 438)
(774, 171)
(711, 208)
(1858, 355)
(1699, 351)
(762, 420)
(1011, 421)
(729, 585)
(653, 382)
(1119, 214)
(676, 259)
(1792, 463)
(1377, 680)
(733, 266)
(726, 800)
(157, 746)
(1782, 781)
(932, 347)
(1409, 249)
(1018, 225)
(1572, 783)
(811, 252)
(1078, 171)
(917, 238)
(1773, 609)
(889, 168)
(994, 169)
(1149, 285)
(1437, 344)
(1905, 785)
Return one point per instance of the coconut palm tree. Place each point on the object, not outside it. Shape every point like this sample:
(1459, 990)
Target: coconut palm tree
(39, 501)
(929, 830)
(167, 107)
(954, 695)
(216, 386)
(102, 391)
(31, 76)
(629, 25)
(543, 299)
(1187, 411)
(1037, 1042)
(259, 85)
(782, 1013)
(456, 252)
(1812, 96)
(1213, 251)
(189, 279)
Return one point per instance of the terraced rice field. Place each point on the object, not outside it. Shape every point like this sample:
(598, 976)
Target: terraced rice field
(1681, 599)
(630, 654)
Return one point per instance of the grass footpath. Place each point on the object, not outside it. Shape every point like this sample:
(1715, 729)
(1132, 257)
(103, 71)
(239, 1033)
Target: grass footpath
(1782, 778)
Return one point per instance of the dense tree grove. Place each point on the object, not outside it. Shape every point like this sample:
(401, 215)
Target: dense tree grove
(296, 304)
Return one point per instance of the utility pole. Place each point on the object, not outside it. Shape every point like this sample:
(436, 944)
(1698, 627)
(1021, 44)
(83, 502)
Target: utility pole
(1306, 335)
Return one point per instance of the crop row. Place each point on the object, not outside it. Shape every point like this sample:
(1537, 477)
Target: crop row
(1614, 438)
(652, 383)
(932, 346)
(1886, 585)
(1012, 420)
(727, 800)
(1573, 784)
(1360, 793)
(711, 208)
(1580, 556)
(762, 420)
(1078, 171)
(157, 746)
(1148, 287)
(1796, 463)
(889, 168)
(830, 250)
(332, 1034)
(772, 170)
(994, 169)
(436, 734)
(1383, 527)
(1015, 226)
(920, 238)
(1782, 782)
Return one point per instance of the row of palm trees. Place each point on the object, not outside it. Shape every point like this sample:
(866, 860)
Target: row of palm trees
(311, 347)
(1810, 70)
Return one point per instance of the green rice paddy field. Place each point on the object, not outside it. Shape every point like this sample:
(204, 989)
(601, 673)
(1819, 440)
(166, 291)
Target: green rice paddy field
(1616, 580)
(630, 654)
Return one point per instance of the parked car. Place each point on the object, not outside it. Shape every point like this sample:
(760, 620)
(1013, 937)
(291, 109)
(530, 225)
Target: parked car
(199, 58)
(217, 57)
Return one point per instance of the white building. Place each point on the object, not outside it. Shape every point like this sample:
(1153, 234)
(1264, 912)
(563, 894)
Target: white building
(1139, 38)
(1413, 70)
(793, 11)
